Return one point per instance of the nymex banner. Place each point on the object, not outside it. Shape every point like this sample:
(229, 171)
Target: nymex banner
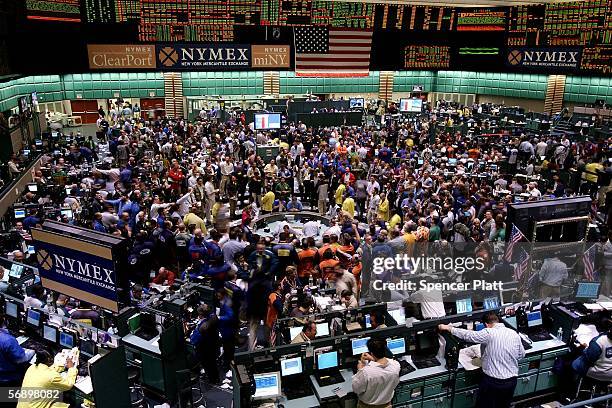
(203, 57)
(76, 268)
(557, 58)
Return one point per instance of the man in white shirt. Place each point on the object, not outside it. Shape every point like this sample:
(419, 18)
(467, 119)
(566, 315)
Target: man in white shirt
(209, 189)
(376, 377)
(227, 168)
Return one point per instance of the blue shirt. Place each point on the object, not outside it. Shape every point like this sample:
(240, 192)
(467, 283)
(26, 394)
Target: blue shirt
(11, 355)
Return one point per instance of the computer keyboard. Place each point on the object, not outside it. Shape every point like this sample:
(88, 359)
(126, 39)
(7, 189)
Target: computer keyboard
(426, 362)
(540, 336)
(405, 368)
(330, 379)
(300, 391)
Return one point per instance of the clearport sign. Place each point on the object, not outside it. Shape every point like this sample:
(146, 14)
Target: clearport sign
(117, 56)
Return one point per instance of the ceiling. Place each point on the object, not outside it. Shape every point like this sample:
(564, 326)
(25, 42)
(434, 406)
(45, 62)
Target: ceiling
(457, 3)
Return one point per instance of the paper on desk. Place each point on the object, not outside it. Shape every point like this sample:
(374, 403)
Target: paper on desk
(606, 305)
(594, 307)
(585, 333)
(84, 385)
(469, 357)
(159, 288)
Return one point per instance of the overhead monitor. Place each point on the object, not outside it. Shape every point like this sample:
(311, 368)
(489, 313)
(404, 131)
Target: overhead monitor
(396, 346)
(534, 319)
(322, 329)
(491, 302)
(414, 105)
(67, 212)
(464, 305)
(33, 188)
(355, 103)
(16, 271)
(33, 318)
(587, 290)
(19, 213)
(67, 340)
(267, 385)
(327, 360)
(11, 309)
(291, 366)
(264, 121)
(50, 333)
(360, 345)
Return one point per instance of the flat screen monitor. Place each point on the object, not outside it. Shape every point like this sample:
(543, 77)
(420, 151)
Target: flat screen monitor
(38, 142)
(265, 121)
(32, 188)
(464, 305)
(398, 315)
(19, 213)
(11, 309)
(327, 360)
(50, 333)
(452, 161)
(396, 346)
(294, 331)
(322, 329)
(33, 318)
(26, 152)
(88, 348)
(16, 271)
(491, 303)
(368, 321)
(31, 249)
(417, 88)
(534, 319)
(67, 339)
(267, 385)
(359, 346)
(427, 341)
(411, 105)
(67, 212)
(356, 103)
(291, 366)
(587, 290)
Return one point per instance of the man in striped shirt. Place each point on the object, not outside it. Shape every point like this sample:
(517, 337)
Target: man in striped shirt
(501, 351)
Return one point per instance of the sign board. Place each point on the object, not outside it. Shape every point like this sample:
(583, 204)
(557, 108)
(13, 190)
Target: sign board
(270, 56)
(116, 56)
(77, 268)
(545, 58)
(203, 56)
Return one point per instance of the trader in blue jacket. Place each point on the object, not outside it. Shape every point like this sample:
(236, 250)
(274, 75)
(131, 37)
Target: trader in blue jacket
(12, 357)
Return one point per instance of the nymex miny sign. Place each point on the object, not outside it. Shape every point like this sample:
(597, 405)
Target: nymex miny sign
(83, 264)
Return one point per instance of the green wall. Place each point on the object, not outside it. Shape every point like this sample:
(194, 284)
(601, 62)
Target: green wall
(222, 83)
(141, 85)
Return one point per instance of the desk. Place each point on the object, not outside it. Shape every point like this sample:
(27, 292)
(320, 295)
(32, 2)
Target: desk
(327, 392)
(310, 401)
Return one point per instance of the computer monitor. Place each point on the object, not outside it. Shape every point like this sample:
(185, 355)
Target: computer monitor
(134, 323)
(368, 321)
(38, 142)
(411, 105)
(26, 152)
(11, 309)
(50, 333)
(19, 213)
(464, 305)
(267, 385)
(68, 190)
(33, 318)
(360, 345)
(356, 103)
(291, 366)
(16, 271)
(322, 329)
(294, 331)
(265, 121)
(534, 319)
(33, 188)
(491, 303)
(31, 249)
(587, 290)
(67, 212)
(398, 315)
(396, 346)
(88, 348)
(427, 342)
(67, 340)
(452, 161)
(327, 360)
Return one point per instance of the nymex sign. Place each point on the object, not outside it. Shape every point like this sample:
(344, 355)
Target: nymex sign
(77, 268)
(203, 56)
(561, 58)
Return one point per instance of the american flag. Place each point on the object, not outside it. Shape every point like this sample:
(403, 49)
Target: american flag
(515, 237)
(332, 52)
(522, 265)
(588, 259)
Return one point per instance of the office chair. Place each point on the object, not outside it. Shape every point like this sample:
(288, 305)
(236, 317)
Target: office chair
(189, 381)
(136, 391)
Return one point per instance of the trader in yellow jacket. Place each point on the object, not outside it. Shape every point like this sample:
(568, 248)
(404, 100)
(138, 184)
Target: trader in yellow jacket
(348, 206)
(44, 375)
(383, 209)
(267, 201)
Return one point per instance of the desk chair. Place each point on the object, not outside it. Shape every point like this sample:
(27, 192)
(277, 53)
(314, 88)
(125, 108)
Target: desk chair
(189, 381)
(136, 391)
